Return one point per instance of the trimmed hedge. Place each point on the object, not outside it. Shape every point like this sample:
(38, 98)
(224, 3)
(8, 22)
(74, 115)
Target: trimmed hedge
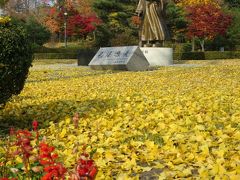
(69, 50)
(85, 55)
(55, 56)
(15, 59)
(208, 55)
(55, 50)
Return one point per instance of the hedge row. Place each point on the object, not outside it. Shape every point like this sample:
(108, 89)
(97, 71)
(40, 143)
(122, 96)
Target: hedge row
(60, 50)
(55, 56)
(208, 55)
(88, 54)
(55, 50)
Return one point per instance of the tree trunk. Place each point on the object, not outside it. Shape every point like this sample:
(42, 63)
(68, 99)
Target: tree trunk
(193, 44)
(202, 45)
(59, 37)
(94, 36)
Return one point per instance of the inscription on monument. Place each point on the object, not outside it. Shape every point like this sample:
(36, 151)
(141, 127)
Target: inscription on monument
(117, 55)
(120, 58)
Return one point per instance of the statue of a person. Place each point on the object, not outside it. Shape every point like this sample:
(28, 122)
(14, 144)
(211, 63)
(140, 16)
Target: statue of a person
(153, 30)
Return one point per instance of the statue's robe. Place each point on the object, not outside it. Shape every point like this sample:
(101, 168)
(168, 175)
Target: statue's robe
(153, 27)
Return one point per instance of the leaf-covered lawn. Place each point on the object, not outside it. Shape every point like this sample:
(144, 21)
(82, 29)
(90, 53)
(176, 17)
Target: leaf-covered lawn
(174, 122)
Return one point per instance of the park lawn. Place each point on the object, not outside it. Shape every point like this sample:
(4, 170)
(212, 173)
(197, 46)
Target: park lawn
(174, 122)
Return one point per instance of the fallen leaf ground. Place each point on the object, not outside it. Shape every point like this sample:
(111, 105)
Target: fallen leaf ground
(174, 122)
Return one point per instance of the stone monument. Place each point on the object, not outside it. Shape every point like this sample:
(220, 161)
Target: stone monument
(128, 58)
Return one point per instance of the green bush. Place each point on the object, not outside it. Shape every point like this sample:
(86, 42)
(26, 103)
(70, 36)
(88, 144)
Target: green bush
(103, 36)
(126, 38)
(182, 47)
(15, 59)
(208, 55)
(238, 47)
(2, 2)
(187, 47)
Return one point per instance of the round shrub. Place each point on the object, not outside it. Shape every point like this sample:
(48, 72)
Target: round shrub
(15, 58)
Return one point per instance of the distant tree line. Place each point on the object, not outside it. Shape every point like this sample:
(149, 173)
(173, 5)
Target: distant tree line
(114, 23)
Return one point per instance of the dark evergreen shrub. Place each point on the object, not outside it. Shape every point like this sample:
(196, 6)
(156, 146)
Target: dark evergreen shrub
(37, 33)
(15, 59)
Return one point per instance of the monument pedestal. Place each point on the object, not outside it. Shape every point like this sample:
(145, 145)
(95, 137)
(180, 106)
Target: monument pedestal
(158, 56)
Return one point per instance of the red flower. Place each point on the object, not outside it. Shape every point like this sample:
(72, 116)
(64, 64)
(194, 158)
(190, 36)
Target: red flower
(46, 148)
(23, 142)
(86, 167)
(35, 125)
(23, 133)
(93, 172)
(82, 170)
(56, 170)
(47, 160)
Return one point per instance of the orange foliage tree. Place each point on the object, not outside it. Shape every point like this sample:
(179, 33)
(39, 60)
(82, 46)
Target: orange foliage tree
(52, 17)
(84, 7)
(51, 21)
(206, 22)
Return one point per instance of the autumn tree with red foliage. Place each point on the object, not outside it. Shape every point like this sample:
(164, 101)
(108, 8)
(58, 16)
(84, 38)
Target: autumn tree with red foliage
(78, 25)
(206, 22)
(81, 26)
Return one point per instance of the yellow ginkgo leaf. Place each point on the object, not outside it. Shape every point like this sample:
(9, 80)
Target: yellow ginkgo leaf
(63, 133)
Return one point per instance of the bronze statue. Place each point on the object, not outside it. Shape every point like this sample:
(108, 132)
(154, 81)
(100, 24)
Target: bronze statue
(153, 30)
